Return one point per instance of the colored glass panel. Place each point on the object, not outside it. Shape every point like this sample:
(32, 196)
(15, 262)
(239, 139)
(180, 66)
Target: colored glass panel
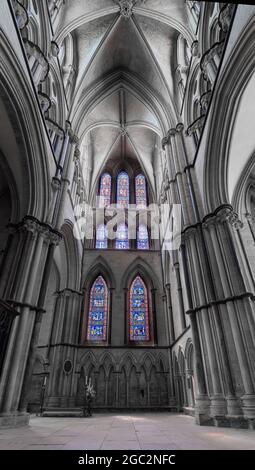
(122, 241)
(105, 190)
(98, 311)
(139, 311)
(101, 238)
(140, 192)
(142, 238)
(123, 190)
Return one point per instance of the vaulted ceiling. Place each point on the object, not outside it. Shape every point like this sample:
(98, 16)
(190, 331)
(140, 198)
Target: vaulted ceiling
(124, 99)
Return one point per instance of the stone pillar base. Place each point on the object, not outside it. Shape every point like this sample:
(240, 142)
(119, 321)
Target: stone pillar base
(202, 411)
(238, 422)
(218, 407)
(221, 422)
(234, 407)
(14, 420)
(248, 407)
(251, 424)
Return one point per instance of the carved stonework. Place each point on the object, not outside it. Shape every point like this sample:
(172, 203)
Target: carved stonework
(77, 153)
(225, 16)
(196, 125)
(126, 8)
(235, 221)
(123, 131)
(171, 133)
(204, 101)
(32, 50)
(227, 214)
(210, 59)
(20, 14)
(195, 49)
(54, 49)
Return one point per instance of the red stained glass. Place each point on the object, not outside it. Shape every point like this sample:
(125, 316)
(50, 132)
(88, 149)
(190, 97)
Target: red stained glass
(140, 192)
(105, 190)
(123, 190)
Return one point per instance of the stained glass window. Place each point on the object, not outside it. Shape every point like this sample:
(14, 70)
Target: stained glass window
(142, 238)
(140, 192)
(101, 238)
(122, 241)
(139, 311)
(123, 190)
(105, 190)
(98, 311)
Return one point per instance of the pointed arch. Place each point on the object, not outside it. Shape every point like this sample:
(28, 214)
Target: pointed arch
(147, 361)
(123, 195)
(68, 257)
(140, 266)
(107, 360)
(86, 360)
(100, 266)
(139, 328)
(128, 360)
(105, 190)
(98, 312)
(140, 191)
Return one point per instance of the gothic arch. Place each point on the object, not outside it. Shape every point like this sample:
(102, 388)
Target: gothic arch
(181, 361)
(87, 359)
(108, 362)
(128, 360)
(100, 266)
(139, 266)
(233, 81)
(26, 156)
(161, 364)
(189, 354)
(147, 361)
(67, 258)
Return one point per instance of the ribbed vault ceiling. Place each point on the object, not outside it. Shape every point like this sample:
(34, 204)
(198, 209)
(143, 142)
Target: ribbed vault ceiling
(124, 93)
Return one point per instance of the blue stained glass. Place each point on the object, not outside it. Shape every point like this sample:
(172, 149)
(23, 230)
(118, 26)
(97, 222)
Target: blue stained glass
(138, 311)
(98, 311)
(140, 192)
(142, 237)
(123, 190)
(101, 237)
(122, 241)
(105, 190)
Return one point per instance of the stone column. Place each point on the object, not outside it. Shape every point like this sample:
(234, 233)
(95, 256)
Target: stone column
(223, 307)
(202, 407)
(170, 313)
(180, 295)
(218, 405)
(32, 236)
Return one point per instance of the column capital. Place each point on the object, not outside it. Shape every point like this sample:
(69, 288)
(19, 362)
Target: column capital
(172, 133)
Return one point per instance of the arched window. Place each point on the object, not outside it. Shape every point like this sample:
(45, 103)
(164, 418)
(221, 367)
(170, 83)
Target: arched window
(105, 190)
(138, 311)
(122, 241)
(123, 190)
(140, 192)
(101, 238)
(142, 238)
(98, 311)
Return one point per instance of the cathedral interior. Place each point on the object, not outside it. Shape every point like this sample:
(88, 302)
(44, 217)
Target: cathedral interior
(146, 106)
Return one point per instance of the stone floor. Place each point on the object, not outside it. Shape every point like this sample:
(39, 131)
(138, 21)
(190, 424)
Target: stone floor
(124, 431)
